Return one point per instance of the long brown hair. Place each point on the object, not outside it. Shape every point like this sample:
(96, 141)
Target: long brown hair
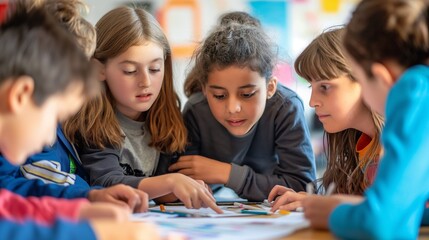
(323, 59)
(96, 123)
(344, 167)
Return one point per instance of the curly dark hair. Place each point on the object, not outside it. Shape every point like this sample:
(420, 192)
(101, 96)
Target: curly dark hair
(243, 45)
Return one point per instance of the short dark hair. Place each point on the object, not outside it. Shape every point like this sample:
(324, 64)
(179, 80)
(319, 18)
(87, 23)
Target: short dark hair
(240, 18)
(395, 30)
(228, 45)
(34, 44)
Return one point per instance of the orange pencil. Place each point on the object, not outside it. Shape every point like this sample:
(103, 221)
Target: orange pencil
(162, 208)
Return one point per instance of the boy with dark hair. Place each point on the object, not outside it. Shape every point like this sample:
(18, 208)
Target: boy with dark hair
(59, 162)
(42, 71)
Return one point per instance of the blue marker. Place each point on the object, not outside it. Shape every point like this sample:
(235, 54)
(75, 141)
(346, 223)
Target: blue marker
(255, 212)
(179, 214)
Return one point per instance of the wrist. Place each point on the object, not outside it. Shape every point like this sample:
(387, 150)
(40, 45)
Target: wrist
(169, 180)
(226, 171)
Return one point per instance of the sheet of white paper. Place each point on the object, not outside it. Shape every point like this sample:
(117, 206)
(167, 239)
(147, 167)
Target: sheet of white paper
(228, 211)
(227, 228)
(205, 212)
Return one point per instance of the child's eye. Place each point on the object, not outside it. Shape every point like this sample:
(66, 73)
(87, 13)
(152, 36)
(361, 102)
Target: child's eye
(220, 97)
(248, 95)
(129, 72)
(324, 87)
(154, 70)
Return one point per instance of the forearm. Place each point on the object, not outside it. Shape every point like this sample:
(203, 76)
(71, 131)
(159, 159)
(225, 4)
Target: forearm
(166, 198)
(254, 186)
(35, 187)
(157, 186)
(222, 174)
(42, 210)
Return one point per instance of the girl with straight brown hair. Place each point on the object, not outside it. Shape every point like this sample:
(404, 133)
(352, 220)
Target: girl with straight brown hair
(387, 42)
(352, 129)
(132, 130)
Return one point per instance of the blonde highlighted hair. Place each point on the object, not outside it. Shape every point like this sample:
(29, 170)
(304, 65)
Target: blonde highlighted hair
(324, 59)
(96, 124)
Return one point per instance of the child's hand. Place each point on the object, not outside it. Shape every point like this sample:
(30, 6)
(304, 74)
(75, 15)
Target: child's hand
(278, 190)
(193, 194)
(202, 168)
(122, 195)
(285, 198)
(353, 199)
(104, 211)
(317, 209)
(111, 230)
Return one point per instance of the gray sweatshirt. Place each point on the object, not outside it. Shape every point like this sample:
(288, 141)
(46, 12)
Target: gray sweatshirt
(277, 150)
(128, 165)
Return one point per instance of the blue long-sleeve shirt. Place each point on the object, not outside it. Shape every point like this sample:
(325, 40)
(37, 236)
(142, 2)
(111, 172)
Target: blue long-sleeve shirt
(61, 230)
(10, 179)
(42, 184)
(394, 205)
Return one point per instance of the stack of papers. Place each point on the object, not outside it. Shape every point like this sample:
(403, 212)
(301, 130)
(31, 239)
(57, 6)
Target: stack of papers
(206, 224)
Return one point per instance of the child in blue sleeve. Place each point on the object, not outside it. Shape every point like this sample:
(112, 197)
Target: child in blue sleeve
(42, 70)
(59, 162)
(246, 130)
(388, 45)
(352, 129)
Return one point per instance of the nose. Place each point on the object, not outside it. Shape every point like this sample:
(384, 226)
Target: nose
(314, 100)
(144, 80)
(234, 105)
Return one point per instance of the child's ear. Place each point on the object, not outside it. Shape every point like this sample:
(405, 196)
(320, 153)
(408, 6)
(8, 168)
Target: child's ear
(20, 93)
(382, 73)
(271, 87)
(101, 69)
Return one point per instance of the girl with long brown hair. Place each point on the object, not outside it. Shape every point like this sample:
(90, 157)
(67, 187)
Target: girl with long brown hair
(352, 129)
(387, 42)
(130, 132)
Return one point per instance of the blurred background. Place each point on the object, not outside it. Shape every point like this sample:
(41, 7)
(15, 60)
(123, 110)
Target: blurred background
(291, 23)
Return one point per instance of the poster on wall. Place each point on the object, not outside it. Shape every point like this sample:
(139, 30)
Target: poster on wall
(181, 19)
(274, 19)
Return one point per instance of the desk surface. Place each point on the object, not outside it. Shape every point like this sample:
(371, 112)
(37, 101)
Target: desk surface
(309, 233)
